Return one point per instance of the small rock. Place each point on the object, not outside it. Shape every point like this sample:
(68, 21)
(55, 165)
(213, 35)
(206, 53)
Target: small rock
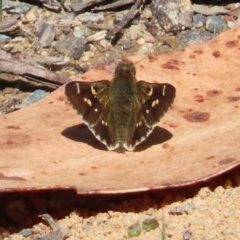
(126, 45)
(7, 90)
(97, 36)
(81, 31)
(148, 37)
(34, 97)
(141, 41)
(119, 16)
(134, 230)
(206, 10)
(215, 23)
(21, 8)
(86, 56)
(4, 38)
(46, 34)
(26, 232)
(66, 30)
(173, 15)
(194, 36)
(145, 48)
(199, 20)
(105, 43)
(187, 235)
(88, 17)
(134, 32)
(32, 15)
(146, 13)
(71, 46)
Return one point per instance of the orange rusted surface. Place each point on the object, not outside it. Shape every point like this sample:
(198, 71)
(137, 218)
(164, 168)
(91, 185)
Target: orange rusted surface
(46, 145)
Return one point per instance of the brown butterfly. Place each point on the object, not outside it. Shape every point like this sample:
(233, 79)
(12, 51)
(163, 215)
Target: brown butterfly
(123, 112)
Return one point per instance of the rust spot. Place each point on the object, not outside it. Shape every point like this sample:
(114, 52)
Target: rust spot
(172, 125)
(3, 177)
(169, 66)
(62, 98)
(236, 106)
(192, 56)
(174, 61)
(216, 54)
(165, 145)
(238, 37)
(152, 58)
(237, 89)
(233, 98)
(50, 103)
(82, 174)
(227, 161)
(199, 98)
(141, 66)
(14, 140)
(210, 157)
(83, 77)
(13, 127)
(198, 51)
(93, 167)
(194, 74)
(141, 162)
(197, 116)
(213, 93)
(232, 44)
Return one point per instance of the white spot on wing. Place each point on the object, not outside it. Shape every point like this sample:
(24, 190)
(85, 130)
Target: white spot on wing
(88, 101)
(104, 123)
(93, 90)
(138, 124)
(164, 90)
(155, 102)
(150, 92)
(78, 88)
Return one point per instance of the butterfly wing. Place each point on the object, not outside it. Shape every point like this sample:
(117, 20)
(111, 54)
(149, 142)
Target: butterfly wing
(154, 99)
(90, 99)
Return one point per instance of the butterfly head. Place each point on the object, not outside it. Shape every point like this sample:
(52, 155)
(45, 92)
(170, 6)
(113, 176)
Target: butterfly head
(125, 67)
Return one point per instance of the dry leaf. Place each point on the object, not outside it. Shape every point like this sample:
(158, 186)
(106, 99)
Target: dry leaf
(46, 145)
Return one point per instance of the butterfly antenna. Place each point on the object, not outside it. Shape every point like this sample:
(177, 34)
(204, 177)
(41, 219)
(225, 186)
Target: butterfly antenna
(141, 60)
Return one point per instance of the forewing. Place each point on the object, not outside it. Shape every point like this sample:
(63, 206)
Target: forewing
(88, 98)
(155, 100)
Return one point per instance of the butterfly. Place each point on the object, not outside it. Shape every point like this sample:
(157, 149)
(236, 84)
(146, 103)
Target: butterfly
(120, 113)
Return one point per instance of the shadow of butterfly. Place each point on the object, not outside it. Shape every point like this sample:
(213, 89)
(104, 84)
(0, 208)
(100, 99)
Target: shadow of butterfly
(123, 112)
